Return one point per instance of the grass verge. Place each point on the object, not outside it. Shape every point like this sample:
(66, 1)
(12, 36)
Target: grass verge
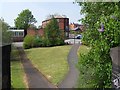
(51, 61)
(17, 72)
(83, 50)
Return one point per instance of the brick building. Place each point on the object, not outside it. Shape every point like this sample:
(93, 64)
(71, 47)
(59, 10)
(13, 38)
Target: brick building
(63, 23)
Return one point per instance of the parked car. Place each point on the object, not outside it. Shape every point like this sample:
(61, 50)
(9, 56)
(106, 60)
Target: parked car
(78, 36)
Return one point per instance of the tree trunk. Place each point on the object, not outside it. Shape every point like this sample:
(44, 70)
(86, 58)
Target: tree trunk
(25, 32)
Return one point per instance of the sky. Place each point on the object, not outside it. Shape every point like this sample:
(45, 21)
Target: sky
(40, 10)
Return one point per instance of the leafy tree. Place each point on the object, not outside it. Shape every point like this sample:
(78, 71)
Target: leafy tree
(24, 20)
(97, 13)
(102, 33)
(6, 36)
(53, 33)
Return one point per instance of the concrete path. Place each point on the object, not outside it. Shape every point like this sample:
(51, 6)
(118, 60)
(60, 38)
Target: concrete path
(37, 80)
(18, 44)
(34, 77)
(71, 78)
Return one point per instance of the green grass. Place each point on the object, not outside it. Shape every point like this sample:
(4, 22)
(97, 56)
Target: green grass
(51, 61)
(83, 50)
(17, 72)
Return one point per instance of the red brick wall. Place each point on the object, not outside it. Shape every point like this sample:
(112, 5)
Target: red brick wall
(61, 21)
(31, 32)
(40, 32)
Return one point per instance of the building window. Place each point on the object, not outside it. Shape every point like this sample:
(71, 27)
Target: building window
(18, 34)
(15, 34)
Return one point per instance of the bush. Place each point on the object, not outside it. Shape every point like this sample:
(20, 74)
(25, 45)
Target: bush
(98, 59)
(97, 63)
(46, 42)
(59, 41)
(37, 41)
(103, 33)
(28, 41)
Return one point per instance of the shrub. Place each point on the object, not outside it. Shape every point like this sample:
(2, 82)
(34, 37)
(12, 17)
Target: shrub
(46, 42)
(97, 63)
(98, 59)
(28, 41)
(59, 41)
(37, 41)
(103, 33)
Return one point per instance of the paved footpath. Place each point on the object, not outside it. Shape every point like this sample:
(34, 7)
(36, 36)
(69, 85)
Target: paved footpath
(34, 77)
(71, 78)
(36, 80)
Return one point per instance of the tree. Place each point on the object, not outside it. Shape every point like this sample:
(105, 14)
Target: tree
(6, 36)
(101, 13)
(24, 20)
(53, 33)
(102, 33)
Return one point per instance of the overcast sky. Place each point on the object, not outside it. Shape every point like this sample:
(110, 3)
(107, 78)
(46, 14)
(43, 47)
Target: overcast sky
(40, 10)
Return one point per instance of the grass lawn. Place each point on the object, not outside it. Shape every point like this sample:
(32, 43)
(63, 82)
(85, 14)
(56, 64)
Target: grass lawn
(83, 50)
(51, 61)
(17, 72)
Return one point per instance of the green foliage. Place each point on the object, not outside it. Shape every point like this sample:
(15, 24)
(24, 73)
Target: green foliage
(17, 70)
(111, 35)
(24, 20)
(97, 62)
(28, 41)
(6, 36)
(53, 34)
(37, 41)
(46, 42)
(53, 37)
